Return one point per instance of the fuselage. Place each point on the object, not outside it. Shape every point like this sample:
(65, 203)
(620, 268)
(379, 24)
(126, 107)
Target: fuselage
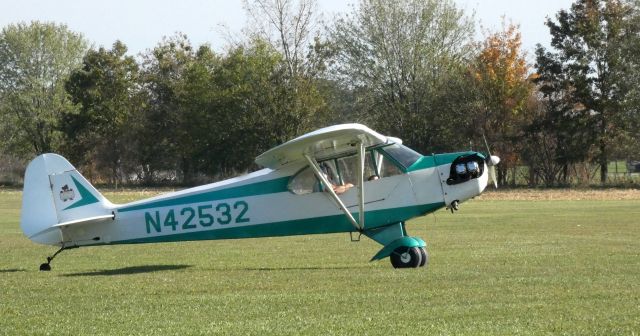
(265, 203)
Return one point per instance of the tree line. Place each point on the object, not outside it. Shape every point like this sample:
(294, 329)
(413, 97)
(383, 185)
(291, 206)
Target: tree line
(186, 114)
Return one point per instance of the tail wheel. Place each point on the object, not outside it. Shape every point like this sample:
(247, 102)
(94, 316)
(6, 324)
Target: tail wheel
(425, 257)
(406, 257)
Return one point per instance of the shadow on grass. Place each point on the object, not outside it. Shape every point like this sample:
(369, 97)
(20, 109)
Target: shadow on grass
(309, 268)
(131, 270)
(12, 270)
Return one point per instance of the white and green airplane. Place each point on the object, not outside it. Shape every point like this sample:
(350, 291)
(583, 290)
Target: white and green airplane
(344, 178)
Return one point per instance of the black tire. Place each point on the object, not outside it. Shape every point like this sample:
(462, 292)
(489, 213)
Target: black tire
(45, 267)
(425, 257)
(406, 257)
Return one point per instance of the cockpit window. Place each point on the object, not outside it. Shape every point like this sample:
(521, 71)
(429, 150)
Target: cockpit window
(305, 182)
(343, 173)
(402, 154)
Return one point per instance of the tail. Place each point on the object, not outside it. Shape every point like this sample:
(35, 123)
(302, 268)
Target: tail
(55, 195)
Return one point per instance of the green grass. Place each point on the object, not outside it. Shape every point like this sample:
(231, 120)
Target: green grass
(496, 268)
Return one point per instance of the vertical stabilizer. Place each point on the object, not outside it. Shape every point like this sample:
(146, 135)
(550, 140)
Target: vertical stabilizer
(54, 193)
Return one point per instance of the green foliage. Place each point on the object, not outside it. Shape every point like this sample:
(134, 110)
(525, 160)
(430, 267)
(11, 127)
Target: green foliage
(104, 90)
(404, 62)
(496, 268)
(591, 56)
(557, 136)
(186, 114)
(35, 60)
(168, 135)
(212, 114)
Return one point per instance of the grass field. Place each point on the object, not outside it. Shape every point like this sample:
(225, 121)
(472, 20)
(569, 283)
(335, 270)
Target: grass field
(502, 265)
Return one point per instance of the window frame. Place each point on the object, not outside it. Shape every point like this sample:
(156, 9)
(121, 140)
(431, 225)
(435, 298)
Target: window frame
(334, 159)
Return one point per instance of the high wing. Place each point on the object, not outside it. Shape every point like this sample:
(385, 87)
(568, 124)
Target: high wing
(323, 143)
(326, 143)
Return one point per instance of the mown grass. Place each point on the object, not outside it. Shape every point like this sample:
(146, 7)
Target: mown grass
(497, 268)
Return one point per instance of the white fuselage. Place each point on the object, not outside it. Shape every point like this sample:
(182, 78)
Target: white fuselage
(258, 205)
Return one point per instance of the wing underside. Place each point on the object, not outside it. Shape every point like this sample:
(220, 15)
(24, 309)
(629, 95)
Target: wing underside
(323, 143)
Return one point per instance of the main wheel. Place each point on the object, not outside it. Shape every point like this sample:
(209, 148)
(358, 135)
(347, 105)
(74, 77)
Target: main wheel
(425, 257)
(406, 257)
(45, 267)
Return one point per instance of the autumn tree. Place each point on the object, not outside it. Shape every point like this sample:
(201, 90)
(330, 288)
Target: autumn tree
(501, 76)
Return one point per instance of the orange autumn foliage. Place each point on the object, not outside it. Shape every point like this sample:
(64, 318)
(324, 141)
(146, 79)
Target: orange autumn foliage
(502, 71)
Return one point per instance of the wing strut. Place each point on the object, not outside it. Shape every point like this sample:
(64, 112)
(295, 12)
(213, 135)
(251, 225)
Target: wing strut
(316, 169)
(361, 154)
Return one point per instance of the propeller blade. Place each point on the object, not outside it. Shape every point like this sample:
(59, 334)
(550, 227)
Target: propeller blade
(492, 176)
(491, 161)
(486, 144)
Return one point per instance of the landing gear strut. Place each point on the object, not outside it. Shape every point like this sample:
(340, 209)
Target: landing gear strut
(409, 257)
(47, 266)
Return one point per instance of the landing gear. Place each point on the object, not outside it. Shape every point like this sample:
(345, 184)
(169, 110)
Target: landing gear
(409, 257)
(406, 257)
(47, 266)
(425, 257)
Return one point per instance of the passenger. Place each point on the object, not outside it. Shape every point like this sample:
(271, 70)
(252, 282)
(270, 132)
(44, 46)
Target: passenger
(341, 189)
(338, 188)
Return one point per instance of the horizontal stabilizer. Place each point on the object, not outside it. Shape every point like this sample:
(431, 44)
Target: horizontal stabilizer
(87, 220)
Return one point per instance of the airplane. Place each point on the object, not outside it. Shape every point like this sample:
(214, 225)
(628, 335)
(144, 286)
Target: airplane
(344, 178)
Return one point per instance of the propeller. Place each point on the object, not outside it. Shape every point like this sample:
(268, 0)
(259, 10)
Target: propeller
(491, 162)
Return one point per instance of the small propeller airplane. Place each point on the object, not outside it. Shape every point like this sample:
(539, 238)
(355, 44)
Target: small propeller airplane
(344, 178)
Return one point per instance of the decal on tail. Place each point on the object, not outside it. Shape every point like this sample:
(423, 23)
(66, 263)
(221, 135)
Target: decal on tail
(55, 193)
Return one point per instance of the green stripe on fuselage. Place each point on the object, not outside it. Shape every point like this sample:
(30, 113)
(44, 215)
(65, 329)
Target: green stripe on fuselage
(317, 225)
(429, 161)
(252, 189)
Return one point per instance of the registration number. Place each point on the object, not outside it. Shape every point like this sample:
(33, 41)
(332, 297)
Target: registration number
(193, 217)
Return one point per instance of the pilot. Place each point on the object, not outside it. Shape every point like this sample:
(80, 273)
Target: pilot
(337, 188)
(341, 189)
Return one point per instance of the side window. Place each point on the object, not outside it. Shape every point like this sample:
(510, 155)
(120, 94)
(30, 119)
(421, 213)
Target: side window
(385, 167)
(343, 172)
(348, 170)
(304, 182)
(389, 168)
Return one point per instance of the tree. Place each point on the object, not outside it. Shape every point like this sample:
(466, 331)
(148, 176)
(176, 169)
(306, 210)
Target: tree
(165, 143)
(404, 62)
(255, 107)
(631, 104)
(500, 75)
(104, 89)
(557, 135)
(35, 60)
(292, 24)
(590, 40)
(288, 27)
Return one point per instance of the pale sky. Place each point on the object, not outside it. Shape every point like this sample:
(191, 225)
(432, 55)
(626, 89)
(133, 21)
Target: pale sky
(141, 24)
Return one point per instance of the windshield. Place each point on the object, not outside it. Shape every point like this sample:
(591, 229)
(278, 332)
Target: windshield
(403, 155)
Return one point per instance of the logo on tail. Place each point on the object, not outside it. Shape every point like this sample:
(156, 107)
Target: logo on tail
(66, 194)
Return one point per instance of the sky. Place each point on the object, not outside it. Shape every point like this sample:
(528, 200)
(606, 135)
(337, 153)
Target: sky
(141, 24)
